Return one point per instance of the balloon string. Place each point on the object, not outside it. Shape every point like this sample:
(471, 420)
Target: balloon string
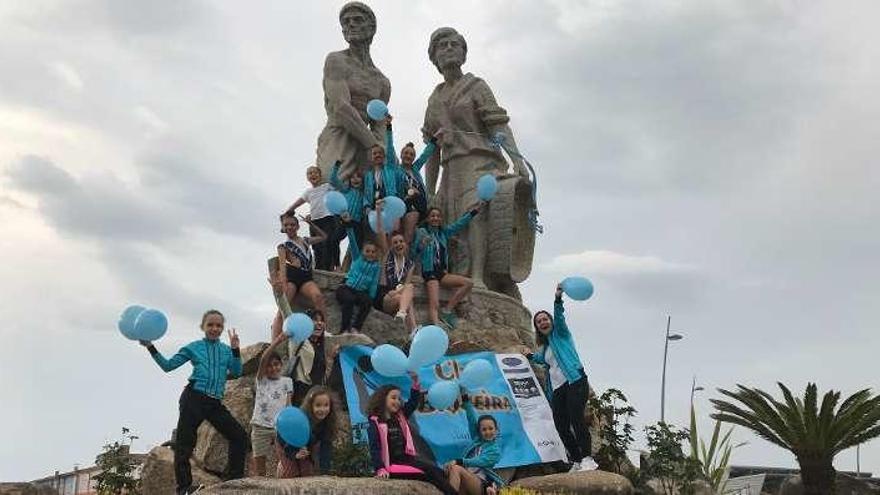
(497, 141)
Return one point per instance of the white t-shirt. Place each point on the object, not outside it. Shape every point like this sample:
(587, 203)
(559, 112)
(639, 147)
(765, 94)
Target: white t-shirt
(314, 196)
(271, 397)
(557, 377)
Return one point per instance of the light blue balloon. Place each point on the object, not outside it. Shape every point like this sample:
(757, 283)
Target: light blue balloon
(335, 202)
(292, 425)
(442, 394)
(127, 319)
(299, 326)
(388, 360)
(487, 186)
(476, 374)
(429, 345)
(150, 325)
(577, 288)
(387, 221)
(394, 207)
(377, 109)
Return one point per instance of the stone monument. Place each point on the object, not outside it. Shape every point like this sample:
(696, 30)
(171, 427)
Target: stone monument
(496, 249)
(350, 81)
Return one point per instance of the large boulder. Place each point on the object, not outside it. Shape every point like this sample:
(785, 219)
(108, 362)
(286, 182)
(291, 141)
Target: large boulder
(583, 482)
(846, 485)
(321, 484)
(157, 474)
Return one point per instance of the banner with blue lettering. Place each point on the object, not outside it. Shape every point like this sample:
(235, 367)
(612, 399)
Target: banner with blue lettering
(513, 397)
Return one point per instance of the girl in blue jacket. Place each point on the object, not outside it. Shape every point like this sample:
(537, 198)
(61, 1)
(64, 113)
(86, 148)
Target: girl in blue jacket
(567, 380)
(353, 190)
(432, 242)
(473, 474)
(361, 285)
(212, 361)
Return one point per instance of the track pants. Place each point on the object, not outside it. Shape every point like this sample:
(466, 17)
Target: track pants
(569, 402)
(352, 301)
(433, 474)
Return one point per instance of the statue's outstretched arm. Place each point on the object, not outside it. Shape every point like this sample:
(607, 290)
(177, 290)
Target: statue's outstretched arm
(339, 102)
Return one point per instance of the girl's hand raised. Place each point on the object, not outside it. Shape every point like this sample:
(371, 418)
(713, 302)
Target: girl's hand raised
(302, 453)
(233, 338)
(145, 343)
(559, 290)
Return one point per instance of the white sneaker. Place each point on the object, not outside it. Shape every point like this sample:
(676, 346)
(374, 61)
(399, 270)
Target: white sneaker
(575, 467)
(588, 464)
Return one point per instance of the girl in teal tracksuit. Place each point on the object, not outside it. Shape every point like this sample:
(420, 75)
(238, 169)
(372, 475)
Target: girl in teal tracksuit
(473, 474)
(432, 242)
(413, 186)
(212, 361)
(383, 177)
(361, 285)
(353, 190)
(567, 381)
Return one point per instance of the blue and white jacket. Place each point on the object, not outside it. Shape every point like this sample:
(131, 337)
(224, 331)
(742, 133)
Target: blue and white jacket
(363, 275)
(213, 362)
(480, 454)
(436, 250)
(561, 341)
(353, 196)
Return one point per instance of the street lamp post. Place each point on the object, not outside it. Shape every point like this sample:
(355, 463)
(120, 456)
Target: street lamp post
(694, 389)
(669, 338)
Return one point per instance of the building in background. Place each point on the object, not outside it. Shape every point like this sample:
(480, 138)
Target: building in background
(80, 481)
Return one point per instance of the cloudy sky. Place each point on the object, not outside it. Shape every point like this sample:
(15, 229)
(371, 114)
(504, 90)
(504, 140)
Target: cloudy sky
(710, 160)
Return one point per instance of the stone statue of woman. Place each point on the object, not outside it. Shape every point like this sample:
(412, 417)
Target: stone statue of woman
(465, 108)
(350, 81)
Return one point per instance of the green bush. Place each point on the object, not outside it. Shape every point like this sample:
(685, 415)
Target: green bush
(352, 460)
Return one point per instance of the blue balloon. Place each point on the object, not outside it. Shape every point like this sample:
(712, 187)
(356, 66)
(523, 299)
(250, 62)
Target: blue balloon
(335, 202)
(377, 109)
(429, 344)
(127, 319)
(476, 374)
(577, 288)
(388, 360)
(292, 425)
(394, 207)
(299, 326)
(442, 394)
(487, 186)
(150, 325)
(387, 221)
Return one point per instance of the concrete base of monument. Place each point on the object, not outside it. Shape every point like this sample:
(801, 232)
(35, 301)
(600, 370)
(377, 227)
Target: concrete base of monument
(487, 320)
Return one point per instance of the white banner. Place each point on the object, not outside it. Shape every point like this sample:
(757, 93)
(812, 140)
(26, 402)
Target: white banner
(537, 417)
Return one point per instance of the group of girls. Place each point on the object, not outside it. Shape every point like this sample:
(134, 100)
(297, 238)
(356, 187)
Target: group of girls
(380, 265)
(392, 449)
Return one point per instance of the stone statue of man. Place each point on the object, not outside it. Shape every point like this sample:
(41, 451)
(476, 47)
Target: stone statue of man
(465, 108)
(351, 80)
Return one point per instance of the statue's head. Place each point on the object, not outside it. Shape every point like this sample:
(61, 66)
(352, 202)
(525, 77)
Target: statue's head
(358, 22)
(447, 48)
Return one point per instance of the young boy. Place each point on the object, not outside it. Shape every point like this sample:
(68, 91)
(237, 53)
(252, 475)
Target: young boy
(212, 361)
(273, 393)
(326, 253)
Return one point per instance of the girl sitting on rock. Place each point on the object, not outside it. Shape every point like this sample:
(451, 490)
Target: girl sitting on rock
(315, 457)
(432, 241)
(392, 450)
(395, 295)
(295, 263)
(473, 474)
(361, 285)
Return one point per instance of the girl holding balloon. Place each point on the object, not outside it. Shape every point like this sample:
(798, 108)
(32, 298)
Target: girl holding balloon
(383, 178)
(322, 222)
(392, 449)
(308, 358)
(352, 190)
(361, 285)
(568, 381)
(314, 457)
(201, 399)
(416, 193)
(272, 392)
(432, 241)
(295, 264)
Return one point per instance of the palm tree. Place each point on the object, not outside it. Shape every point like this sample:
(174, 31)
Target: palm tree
(814, 433)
